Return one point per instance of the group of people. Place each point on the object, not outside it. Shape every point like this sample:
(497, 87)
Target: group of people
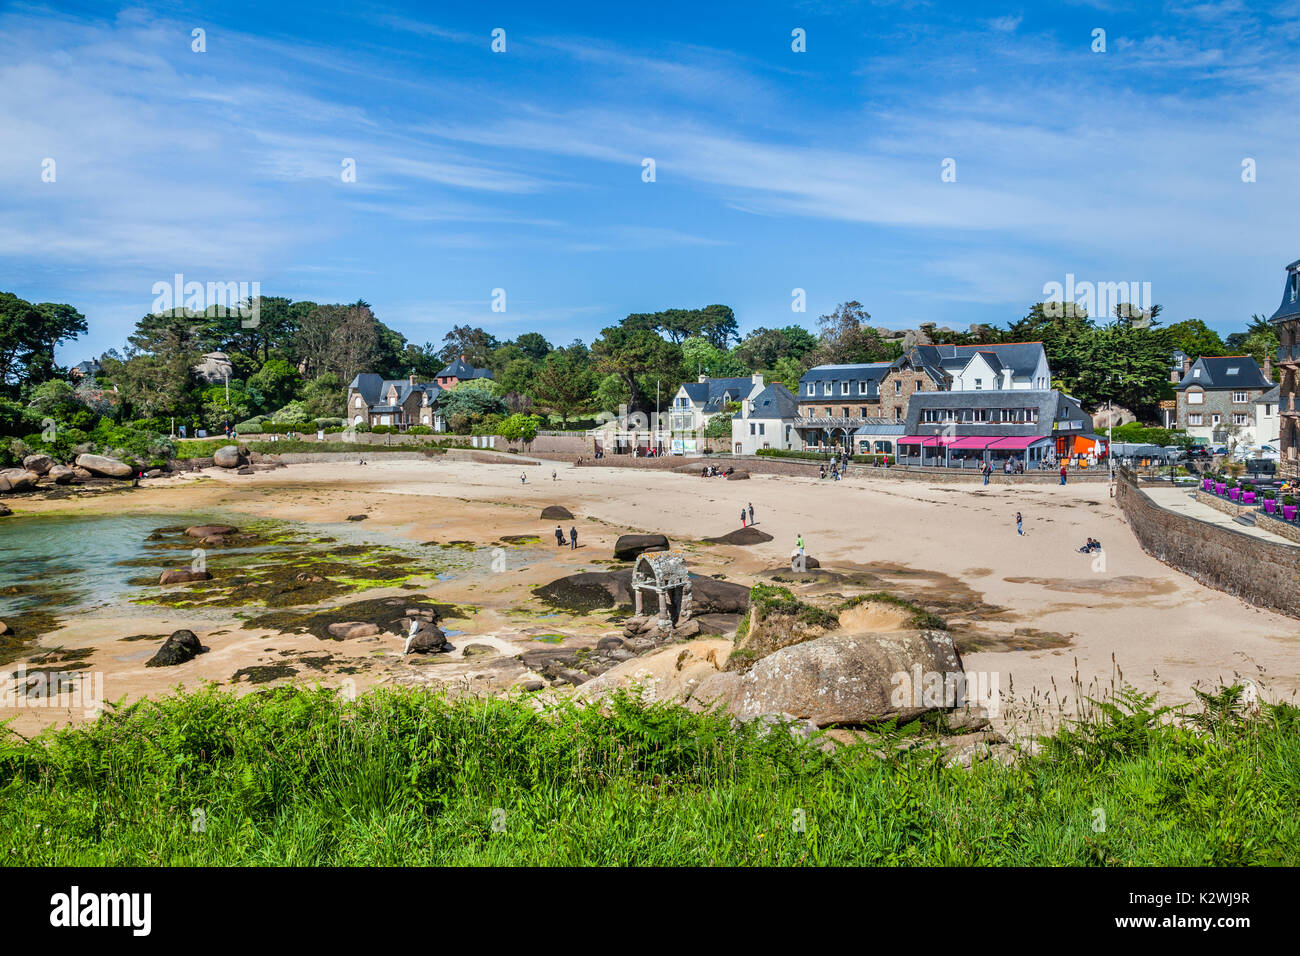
(750, 512)
(713, 471)
(1091, 545)
(573, 537)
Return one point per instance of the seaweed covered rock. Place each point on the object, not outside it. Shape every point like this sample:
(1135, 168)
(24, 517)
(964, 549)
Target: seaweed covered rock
(182, 646)
(556, 513)
(348, 630)
(629, 546)
(183, 576)
(742, 536)
(210, 530)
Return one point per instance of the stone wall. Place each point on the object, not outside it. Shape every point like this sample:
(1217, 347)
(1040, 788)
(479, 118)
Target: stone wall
(1226, 505)
(1264, 573)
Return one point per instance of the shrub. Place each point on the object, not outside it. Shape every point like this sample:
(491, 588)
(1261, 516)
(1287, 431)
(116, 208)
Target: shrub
(1288, 499)
(249, 428)
(420, 430)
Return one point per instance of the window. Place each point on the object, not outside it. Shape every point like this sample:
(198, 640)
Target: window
(751, 428)
(1216, 419)
(1195, 398)
(979, 383)
(862, 412)
(826, 388)
(1195, 419)
(1239, 398)
(898, 386)
(1240, 418)
(844, 412)
(862, 388)
(844, 388)
(1268, 409)
(812, 389)
(898, 414)
(761, 428)
(357, 403)
(1234, 370)
(1196, 373)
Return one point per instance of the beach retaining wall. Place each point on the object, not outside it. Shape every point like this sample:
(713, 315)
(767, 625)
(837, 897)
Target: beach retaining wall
(1264, 573)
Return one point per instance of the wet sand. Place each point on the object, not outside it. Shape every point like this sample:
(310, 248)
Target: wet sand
(951, 545)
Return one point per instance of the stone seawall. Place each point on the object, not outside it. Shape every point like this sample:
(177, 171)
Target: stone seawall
(1264, 573)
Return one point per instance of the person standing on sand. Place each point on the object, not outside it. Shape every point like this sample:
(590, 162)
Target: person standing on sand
(751, 513)
(798, 543)
(1064, 470)
(1019, 524)
(573, 538)
(523, 478)
(742, 517)
(559, 536)
(553, 477)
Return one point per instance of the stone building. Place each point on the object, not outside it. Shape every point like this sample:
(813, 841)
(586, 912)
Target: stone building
(404, 402)
(459, 371)
(1216, 398)
(1287, 322)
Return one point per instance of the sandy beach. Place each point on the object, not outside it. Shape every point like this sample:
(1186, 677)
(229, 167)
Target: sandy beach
(1029, 608)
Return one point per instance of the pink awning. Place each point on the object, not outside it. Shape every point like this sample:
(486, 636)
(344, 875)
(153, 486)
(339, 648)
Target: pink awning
(927, 441)
(1020, 442)
(977, 441)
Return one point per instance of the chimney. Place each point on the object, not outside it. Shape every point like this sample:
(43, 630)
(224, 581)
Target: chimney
(757, 379)
(413, 382)
(1187, 364)
(1268, 366)
(1006, 379)
(703, 378)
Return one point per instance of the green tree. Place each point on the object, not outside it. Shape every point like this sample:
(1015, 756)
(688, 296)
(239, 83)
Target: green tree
(702, 357)
(1195, 338)
(472, 342)
(637, 355)
(764, 348)
(520, 428)
(467, 408)
(28, 336)
(846, 338)
(278, 382)
(565, 384)
(1066, 333)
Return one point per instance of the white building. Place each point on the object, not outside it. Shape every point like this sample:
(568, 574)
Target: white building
(697, 402)
(766, 420)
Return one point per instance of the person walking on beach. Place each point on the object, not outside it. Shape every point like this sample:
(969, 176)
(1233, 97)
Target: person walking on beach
(1064, 470)
(559, 536)
(751, 513)
(573, 538)
(742, 517)
(553, 477)
(798, 543)
(1019, 524)
(523, 478)
(988, 470)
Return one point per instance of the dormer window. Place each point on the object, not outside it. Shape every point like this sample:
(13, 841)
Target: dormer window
(844, 388)
(812, 389)
(1196, 373)
(1295, 286)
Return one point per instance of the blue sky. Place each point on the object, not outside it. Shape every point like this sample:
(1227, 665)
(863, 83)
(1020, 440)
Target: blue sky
(775, 170)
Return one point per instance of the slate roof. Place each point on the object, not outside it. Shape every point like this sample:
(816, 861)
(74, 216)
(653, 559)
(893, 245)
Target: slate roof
(869, 372)
(1021, 357)
(1273, 396)
(714, 393)
(775, 401)
(374, 390)
(462, 370)
(1216, 373)
(1052, 404)
(1290, 307)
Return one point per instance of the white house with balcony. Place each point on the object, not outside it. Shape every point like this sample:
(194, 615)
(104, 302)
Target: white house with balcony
(697, 402)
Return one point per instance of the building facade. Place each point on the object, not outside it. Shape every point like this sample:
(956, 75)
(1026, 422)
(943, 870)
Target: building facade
(1031, 425)
(695, 403)
(1287, 322)
(1216, 398)
(372, 400)
(766, 420)
(459, 371)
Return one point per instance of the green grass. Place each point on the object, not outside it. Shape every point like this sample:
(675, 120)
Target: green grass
(403, 777)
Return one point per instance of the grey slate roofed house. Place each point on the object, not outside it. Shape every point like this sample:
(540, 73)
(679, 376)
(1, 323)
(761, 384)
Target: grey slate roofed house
(1026, 361)
(460, 371)
(1225, 372)
(766, 420)
(374, 400)
(695, 403)
(1216, 398)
